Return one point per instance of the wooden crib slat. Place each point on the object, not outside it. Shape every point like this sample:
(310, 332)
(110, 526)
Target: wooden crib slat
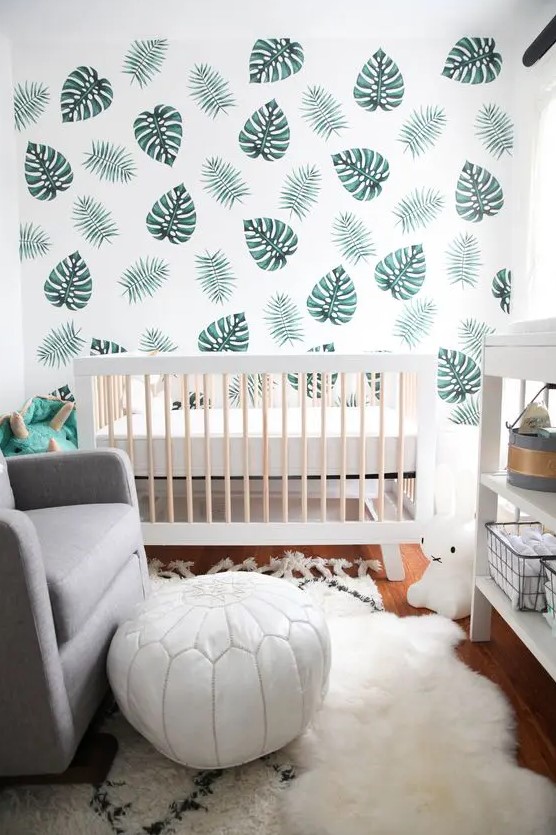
(343, 447)
(187, 449)
(168, 448)
(401, 443)
(197, 397)
(323, 482)
(150, 456)
(208, 470)
(266, 490)
(362, 450)
(109, 382)
(129, 420)
(303, 389)
(226, 442)
(245, 417)
(381, 446)
(285, 485)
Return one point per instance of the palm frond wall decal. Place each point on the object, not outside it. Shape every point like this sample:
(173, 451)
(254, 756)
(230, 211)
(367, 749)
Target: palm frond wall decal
(215, 275)
(418, 209)
(144, 60)
(60, 346)
(33, 241)
(153, 339)
(463, 258)
(223, 181)
(352, 238)
(210, 90)
(30, 100)
(323, 112)
(144, 278)
(301, 190)
(284, 320)
(255, 383)
(423, 128)
(467, 413)
(495, 129)
(471, 333)
(416, 321)
(94, 221)
(110, 162)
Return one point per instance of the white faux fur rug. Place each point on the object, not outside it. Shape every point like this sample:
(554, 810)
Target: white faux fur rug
(409, 740)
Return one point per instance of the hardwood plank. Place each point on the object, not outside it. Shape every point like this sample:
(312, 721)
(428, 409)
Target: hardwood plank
(504, 659)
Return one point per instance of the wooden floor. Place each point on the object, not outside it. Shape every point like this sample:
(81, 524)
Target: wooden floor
(504, 659)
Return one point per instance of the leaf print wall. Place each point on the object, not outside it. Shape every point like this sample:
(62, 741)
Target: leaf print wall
(268, 194)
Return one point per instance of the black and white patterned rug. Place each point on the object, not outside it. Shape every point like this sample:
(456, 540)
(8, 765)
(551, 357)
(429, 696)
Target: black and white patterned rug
(147, 794)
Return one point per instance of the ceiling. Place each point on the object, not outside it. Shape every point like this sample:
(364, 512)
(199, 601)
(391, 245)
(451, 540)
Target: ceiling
(114, 19)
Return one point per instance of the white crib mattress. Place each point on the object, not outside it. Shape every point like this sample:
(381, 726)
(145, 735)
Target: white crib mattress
(332, 446)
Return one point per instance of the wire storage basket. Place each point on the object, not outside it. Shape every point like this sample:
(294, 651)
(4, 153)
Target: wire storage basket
(520, 577)
(549, 569)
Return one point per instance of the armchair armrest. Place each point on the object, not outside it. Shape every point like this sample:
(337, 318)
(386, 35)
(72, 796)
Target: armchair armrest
(36, 725)
(55, 479)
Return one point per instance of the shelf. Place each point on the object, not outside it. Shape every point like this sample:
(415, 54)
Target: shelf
(541, 506)
(531, 627)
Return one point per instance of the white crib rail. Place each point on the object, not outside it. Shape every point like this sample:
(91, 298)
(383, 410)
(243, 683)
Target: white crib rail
(268, 383)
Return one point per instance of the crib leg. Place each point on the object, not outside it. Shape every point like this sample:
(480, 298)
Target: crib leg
(393, 564)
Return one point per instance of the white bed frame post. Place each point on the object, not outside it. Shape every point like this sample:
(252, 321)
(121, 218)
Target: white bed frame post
(84, 385)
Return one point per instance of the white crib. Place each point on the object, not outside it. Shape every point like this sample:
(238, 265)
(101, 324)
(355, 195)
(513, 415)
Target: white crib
(317, 448)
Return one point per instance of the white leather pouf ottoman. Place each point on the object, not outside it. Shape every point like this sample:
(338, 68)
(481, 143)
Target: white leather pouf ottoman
(219, 670)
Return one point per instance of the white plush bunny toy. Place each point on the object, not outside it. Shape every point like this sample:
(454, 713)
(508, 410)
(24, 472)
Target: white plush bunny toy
(449, 543)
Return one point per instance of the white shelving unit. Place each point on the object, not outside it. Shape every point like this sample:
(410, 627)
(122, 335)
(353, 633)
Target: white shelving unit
(518, 356)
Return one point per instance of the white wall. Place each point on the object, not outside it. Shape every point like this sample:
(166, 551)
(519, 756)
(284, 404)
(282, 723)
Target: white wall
(11, 334)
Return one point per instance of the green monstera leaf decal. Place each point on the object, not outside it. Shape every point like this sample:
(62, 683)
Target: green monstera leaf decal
(100, 347)
(60, 346)
(473, 61)
(301, 190)
(323, 112)
(463, 260)
(173, 217)
(313, 386)
(269, 241)
(85, 95)
(352, 237)
(478, 193)
(458, 375)
(495, 129)
(144, 60)
(333, 298)
(266, 133)
(230, 333)
(415, 322)
(33, 241)
(274, 59)
(47, 171)
(69, 284)
(159, 133)
(502, 288)
(422, 129)
(418, 209)
(402, 272)
(379, 84)
(30, 100)
(362, 172)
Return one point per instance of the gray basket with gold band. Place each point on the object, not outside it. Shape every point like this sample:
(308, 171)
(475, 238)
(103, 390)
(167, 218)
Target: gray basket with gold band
(531, 457)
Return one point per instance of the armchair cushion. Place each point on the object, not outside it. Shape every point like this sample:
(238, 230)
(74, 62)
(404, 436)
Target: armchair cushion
(6, 495)
(84, 547)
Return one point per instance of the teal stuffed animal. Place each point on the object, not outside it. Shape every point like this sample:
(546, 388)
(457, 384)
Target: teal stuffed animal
(44, 424)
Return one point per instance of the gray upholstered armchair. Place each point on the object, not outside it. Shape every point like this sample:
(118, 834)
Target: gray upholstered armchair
(72, 566)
